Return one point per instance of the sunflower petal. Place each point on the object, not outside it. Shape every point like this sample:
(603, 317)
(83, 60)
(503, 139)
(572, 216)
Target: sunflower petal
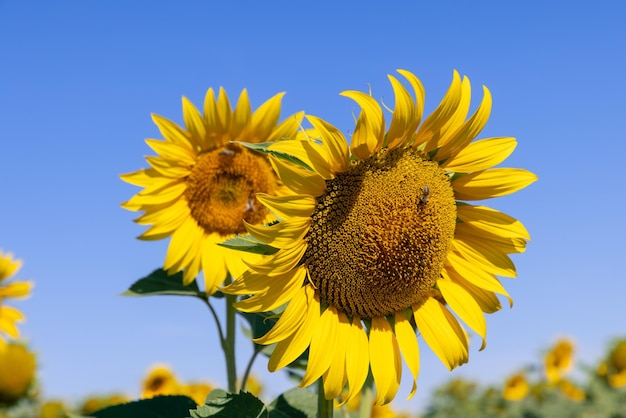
(442, 333)
(323, 344)
(370, 126)
(264, 120)
(480, 155)
(284, 234)
(490, 183)
(384, 360)
(290, 206)
(464, 305)
(194, 122)
(335, 377)
(407, 341)
(299, 180)
(357, 358)
(334, 142)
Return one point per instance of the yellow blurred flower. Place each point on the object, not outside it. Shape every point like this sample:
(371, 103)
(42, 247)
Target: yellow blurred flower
(516, 387)
(93, 404)
(571, 391)
(160, 380)
(17, 289)
(614, 367)
(201, 187)
(53, 409)
(559, 360)
(17, 372)
(376, 242)
(254, 386)
(197, 391)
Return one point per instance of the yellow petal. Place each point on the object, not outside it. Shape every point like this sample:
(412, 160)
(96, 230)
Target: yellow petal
(290, 319)
(308, 153)
(488, 301)
(465, 133)
(168, 168)
(277, 293)
(8, 317)
(334, 142)
(335, 377)
(288, 128)
(464, 305)
(264, 120)
(290, 206)
(370, 126)
(407, 341)
(214, 267)
(143, 178)
(431, 129)
(384, 360)
(223, 110)
(357, 358)
(280, 262)
(194, 122)
(172, 132)
(214, 128)
(172, 152)
(483, 255)
(493, 182)
(442, 333)
(284, 234)
(492, 221)
(241, 115)
(403, 116)
(420, 95)
(8, 266)
(323, 344)
(288, 350)
(299, 180)
(15, 290)
(480, 155)
(457, 265)
(251, 282)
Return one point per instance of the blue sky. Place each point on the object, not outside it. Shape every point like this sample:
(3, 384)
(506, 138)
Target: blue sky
(80, 79)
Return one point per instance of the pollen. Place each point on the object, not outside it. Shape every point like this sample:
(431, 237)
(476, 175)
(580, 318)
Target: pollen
(380, 234)
(222, 186)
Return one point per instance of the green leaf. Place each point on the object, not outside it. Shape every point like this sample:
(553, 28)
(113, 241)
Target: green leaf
(221, 404)
(295, 403)
(160, 283)
(262, 147)
(248, 244)
(158, 407)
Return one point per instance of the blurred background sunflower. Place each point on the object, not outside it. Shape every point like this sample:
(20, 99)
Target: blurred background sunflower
(9, 315)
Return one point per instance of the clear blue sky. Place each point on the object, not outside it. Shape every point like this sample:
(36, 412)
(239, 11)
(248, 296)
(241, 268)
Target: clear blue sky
(79, 79)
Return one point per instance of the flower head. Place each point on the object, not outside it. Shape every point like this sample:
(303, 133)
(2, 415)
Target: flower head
(613, 369)
(516, 387)
(17, 372)
(160, 380)
(9, 316)
(201, 186)
(375, 242)
(559, 360)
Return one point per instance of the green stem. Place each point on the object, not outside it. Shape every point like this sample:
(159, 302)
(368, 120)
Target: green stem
(244, 379)
(324, 406)
(229, 343)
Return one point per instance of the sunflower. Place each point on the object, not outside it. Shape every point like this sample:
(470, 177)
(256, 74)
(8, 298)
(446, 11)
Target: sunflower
(516, 387)
(559, 360)
(201, 186)
(160, 380)
(17, 372)
(9, 315)
(375, 243)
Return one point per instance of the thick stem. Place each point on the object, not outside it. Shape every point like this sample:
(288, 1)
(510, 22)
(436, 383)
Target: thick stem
(229, 344)
(324, 406)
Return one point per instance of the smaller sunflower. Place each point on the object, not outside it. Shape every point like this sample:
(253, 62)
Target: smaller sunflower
(559, 360)
(201, 186)
(516, 387)
(613, 369)
(160, 380)
(17, 372)
(9, 316)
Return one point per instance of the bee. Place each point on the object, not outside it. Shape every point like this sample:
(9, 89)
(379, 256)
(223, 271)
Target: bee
(425, 195)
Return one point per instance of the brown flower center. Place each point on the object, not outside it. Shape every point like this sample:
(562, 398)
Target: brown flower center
(380, 234)
(222, 186)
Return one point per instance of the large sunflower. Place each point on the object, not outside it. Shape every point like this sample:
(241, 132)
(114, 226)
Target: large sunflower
(201, 186)
(9, 316)
(376, 245)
